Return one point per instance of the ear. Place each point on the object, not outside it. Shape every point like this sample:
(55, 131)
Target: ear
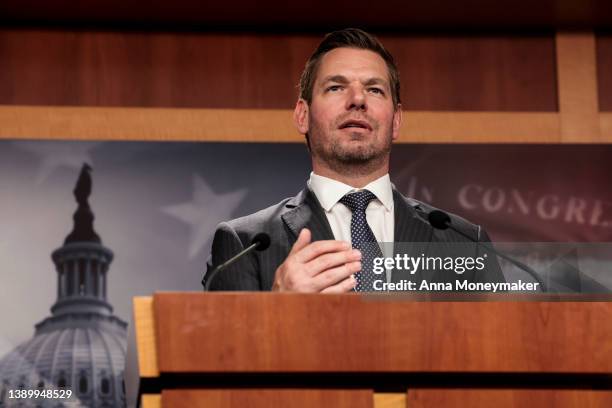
(397, 122)
(300, 116)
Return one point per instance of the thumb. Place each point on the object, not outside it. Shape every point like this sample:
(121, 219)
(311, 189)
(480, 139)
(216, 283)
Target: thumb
(302, 241)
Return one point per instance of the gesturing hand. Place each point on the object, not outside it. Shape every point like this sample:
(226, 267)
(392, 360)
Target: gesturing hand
(321, 266)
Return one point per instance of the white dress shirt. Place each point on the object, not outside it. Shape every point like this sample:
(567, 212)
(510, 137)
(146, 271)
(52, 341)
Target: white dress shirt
(379, 214)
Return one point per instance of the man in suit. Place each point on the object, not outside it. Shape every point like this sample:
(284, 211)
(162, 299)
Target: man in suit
(350, 113)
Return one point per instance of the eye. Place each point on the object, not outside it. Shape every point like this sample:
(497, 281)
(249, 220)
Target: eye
(333, 88)
(376, 91)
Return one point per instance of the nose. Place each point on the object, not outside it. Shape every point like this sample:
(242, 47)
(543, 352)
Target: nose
(356, 99)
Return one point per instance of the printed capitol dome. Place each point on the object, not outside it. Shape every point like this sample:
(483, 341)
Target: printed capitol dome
(81, 346)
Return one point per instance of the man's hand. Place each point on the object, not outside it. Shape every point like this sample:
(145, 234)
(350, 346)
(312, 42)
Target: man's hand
(322, 266)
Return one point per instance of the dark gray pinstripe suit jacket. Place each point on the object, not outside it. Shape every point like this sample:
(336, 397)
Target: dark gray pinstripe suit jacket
(284, 221)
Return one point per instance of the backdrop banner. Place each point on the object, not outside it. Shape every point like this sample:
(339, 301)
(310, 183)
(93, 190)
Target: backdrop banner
(518, 192)
(156, 206)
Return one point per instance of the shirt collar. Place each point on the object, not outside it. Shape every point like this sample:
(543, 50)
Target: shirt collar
(330, 191)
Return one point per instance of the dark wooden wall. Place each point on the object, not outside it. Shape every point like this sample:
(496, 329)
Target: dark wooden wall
(545, 87)
(106, 68)
(604, 71)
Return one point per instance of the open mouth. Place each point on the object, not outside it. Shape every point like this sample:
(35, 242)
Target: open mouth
(355, 124)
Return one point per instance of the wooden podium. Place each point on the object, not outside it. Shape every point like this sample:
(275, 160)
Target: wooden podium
(292, 350)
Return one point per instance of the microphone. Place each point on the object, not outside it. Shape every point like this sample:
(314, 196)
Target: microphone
(439, 220)
(260, 242)
(442, 221)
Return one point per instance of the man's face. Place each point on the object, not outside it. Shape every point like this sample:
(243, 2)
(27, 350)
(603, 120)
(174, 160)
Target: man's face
(351, 118)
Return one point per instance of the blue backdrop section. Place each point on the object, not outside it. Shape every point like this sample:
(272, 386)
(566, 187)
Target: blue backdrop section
(156, 207)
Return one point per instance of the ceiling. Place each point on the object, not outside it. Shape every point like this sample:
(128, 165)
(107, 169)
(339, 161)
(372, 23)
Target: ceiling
(312, 15)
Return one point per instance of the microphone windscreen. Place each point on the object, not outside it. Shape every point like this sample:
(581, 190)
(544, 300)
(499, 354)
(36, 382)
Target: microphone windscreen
(262, 240)
(439, 219)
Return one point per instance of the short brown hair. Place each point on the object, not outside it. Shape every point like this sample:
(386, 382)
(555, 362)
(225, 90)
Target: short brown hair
(349, 38)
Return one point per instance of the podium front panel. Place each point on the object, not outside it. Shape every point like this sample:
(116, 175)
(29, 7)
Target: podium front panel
(298, 333)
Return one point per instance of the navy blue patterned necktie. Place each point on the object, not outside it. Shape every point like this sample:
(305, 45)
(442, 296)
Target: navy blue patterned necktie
(363, 238)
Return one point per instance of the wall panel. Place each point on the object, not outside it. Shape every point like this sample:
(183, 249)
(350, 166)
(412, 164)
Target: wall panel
(188, 70)
(604, 71)
(477, 73)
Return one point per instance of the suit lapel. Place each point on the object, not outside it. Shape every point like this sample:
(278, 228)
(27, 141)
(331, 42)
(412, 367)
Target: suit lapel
(304, 211)
(409, 227)
(412, 234)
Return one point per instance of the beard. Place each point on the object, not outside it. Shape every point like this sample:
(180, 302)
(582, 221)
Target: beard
(357, 152)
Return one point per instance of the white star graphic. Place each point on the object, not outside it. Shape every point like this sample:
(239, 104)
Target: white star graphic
(54, 155)
(204, 212)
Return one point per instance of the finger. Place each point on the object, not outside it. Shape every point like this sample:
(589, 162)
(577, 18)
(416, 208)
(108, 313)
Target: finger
(302, 241)
(346, 285)
(331, 260)
(315, 249)
(333, 276)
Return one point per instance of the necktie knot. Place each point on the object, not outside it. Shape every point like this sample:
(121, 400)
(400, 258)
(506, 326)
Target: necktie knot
(358, 201)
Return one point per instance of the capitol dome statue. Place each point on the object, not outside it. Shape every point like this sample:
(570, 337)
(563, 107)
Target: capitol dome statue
(81, 346)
